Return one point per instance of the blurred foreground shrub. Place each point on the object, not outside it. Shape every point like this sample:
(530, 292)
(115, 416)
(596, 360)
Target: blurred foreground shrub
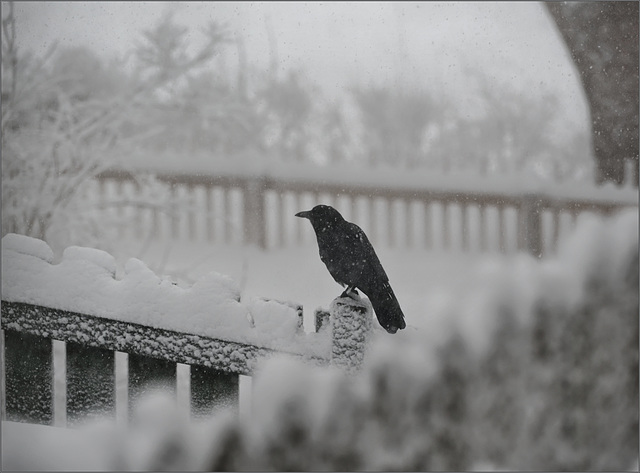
(553, 387)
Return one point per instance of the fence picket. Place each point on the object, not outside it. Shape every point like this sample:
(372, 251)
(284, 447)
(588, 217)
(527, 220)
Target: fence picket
(191, 216)
(392, 229)
(428, 238)
(228, 212)
(464, 226)
(555, 235)
(408, 227)
(174, 217)
(483, 244)
(502, 230)
(209, 213)
(280, 219)
(446, 233)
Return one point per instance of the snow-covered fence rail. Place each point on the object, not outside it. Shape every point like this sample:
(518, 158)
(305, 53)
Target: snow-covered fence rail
(79, 305)
(396, 208)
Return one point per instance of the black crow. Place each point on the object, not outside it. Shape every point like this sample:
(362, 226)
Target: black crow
(352, 261)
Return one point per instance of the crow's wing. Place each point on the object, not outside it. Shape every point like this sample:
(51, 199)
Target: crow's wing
(373, 281)
(371, 270)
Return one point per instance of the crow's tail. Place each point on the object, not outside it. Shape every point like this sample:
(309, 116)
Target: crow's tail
(387, 308)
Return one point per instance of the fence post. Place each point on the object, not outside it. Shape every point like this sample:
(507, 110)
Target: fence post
(254, 209)
(530, 224)
(351, 327)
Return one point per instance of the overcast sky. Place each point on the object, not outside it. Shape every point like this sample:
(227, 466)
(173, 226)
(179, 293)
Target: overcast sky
(422, 44)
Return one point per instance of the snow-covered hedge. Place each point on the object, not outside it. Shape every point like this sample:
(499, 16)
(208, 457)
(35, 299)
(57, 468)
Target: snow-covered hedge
(552, 385)
(539, 371)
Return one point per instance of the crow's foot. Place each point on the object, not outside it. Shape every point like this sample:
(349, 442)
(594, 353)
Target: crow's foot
(351, 292)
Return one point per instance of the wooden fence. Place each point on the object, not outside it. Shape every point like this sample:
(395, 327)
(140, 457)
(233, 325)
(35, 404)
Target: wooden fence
(91, 344)
(395, 209)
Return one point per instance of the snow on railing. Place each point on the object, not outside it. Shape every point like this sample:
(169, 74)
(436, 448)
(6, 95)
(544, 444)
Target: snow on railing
(81, 302)
(231, 202)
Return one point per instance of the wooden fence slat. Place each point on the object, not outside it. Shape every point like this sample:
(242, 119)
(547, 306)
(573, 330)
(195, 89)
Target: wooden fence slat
(428, 238)
(254, 221)
(210, 214)
(373, 222)
(147, 374)
(139, 216)
(28, 378)
(482, 230)
(280, 227)
(391, 224)
(298, 202)
(530, 225)
(211, 389)
(175, 222)
(353, 207)
(502, 230)
(464, 227)
(225, 196)
(555, 235)
(446, 234)
(408, 223)
(191, 215)
(120, 208)
(90, 382)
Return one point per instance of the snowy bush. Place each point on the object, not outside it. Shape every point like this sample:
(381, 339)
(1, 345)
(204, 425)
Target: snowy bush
(555, 387)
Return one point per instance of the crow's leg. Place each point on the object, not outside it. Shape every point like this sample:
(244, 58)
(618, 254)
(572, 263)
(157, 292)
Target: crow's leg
(351, 292)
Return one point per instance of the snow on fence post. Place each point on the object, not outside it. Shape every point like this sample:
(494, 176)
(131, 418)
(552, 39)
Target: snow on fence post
(351, 327)
(254, 212)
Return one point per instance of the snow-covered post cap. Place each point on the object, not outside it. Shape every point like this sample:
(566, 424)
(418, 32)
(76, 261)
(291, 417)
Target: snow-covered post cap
(351, 327)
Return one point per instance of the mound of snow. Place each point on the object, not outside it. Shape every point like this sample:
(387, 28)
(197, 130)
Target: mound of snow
(84, 281)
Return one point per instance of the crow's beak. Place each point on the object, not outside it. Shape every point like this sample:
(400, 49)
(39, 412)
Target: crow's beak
(304, 214)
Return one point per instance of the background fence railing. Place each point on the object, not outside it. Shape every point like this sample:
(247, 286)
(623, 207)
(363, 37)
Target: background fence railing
(473, 214)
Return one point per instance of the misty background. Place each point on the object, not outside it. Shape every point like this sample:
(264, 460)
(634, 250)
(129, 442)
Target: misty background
(471, 71)
(445, 88)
